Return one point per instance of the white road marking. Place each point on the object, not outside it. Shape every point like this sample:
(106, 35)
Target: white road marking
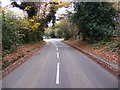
(57, 49)
(58, 55)
(57, 75)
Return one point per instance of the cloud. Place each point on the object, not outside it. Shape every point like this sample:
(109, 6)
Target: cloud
(4, 3)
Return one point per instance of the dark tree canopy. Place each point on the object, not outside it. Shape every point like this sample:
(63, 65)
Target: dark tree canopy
(33, 10)
(33, 7)
(94, 19)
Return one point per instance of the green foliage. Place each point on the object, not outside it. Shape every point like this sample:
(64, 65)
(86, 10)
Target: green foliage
(108, 45)
(37, 24)
(59, 34)
(30, 7)
(112, 46)
(66, 34)
(30, 31)
(10, 35)
(52, 34)
(18, 31)
(33, 8)
(94, 20)
(47, 34)
(99, 44)
(63, 26)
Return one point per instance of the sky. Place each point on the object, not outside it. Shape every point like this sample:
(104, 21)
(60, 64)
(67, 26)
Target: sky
(17, 11)
(5, 2)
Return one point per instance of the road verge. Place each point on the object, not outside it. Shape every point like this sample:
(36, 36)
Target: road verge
(114, 68)
(24, 57)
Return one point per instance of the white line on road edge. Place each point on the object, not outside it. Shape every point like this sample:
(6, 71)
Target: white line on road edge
(58, 55)
(57, 75)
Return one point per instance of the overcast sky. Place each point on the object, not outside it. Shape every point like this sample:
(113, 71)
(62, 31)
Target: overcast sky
(5, 2)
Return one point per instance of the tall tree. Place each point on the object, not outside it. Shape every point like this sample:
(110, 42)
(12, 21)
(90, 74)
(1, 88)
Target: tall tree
(30, 7)
(94, 20)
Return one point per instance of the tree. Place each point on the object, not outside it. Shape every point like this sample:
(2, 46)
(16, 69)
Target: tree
(94, 20)
(52, 34)
(65, 28)
(59, 34)
(10, 34)
(44, 11)
(30, 7)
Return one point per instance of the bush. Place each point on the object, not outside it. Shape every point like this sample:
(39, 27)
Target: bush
(18, 31)
(94, 20)
(10, 35)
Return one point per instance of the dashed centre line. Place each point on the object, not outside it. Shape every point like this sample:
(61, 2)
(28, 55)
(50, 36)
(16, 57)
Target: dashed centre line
(57, 75)
(58, 64)
(57, 55)
(57, 49)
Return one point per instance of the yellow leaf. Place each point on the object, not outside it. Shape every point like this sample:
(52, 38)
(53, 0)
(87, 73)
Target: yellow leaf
(31, 20)
(27, 8)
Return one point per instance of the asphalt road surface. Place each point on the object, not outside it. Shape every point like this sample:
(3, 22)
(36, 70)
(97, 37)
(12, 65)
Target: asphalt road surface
(58, 65)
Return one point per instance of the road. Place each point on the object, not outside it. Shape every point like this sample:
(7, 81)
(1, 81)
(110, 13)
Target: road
(58, 65)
